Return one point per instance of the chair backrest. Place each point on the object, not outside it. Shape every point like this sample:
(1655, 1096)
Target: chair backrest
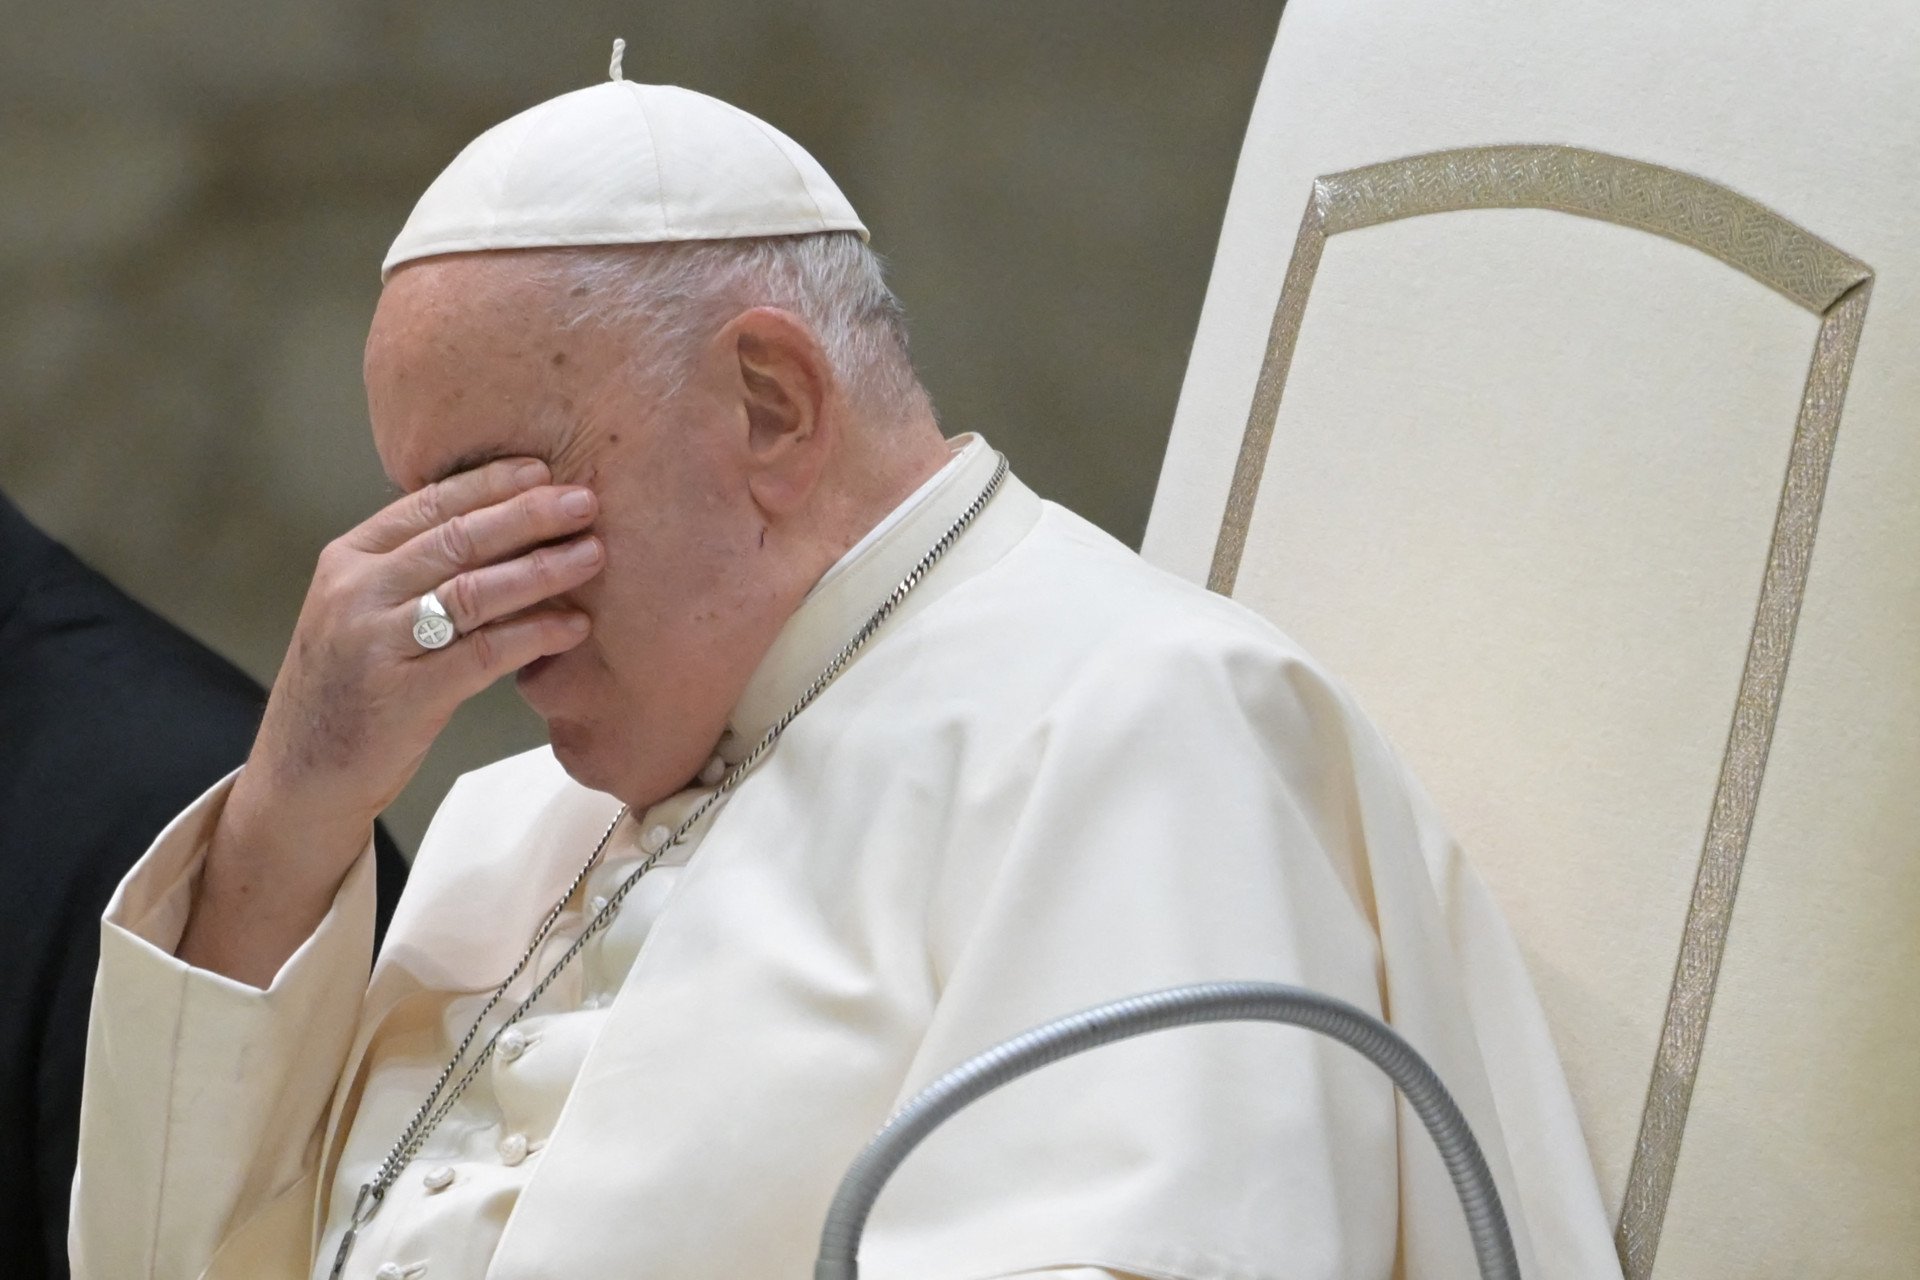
(1558, 381)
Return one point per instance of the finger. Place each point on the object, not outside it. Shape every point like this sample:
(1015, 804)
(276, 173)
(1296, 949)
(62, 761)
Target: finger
(490, 534)
(480, 596)
(433, 505)
(493, 651)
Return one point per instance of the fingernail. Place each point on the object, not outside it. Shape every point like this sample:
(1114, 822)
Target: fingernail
(585, 551)
(529, 474)
(577, 622)
(577, 503)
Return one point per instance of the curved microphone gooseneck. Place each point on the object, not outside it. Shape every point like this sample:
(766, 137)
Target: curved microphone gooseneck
(1157, 1011)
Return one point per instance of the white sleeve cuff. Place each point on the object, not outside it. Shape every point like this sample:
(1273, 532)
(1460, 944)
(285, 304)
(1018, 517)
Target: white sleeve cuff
(202, 1093)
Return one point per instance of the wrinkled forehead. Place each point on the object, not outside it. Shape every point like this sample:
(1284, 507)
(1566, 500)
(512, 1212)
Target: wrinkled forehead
(465, 359)
(467, 306)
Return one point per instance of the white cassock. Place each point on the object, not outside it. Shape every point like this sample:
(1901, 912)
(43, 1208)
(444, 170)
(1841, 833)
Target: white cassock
(1056, 777)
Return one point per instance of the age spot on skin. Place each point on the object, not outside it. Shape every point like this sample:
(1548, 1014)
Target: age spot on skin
(559, 357)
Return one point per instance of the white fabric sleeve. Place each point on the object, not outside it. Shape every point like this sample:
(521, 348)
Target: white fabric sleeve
(1187, 817)
(204, 1096)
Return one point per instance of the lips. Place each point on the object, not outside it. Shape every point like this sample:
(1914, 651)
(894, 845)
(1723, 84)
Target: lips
(529, 679)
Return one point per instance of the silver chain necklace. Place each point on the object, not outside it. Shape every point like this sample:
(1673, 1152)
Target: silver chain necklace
(440, 1099)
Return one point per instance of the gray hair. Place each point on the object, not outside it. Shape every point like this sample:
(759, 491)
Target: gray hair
(675, 294)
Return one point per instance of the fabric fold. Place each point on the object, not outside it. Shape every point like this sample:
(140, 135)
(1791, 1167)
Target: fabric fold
(204, 1095)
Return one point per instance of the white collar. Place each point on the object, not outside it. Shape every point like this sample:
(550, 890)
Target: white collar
(899, 513)
(847, 594)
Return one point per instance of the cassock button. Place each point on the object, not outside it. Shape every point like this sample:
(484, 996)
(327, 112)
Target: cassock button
(655, 839)
(438, 1178)
(513, 1148)
(715, 770)
(511, 1044)
(597, 903)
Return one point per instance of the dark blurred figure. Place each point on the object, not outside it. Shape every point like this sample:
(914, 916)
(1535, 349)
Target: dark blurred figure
(111, 722)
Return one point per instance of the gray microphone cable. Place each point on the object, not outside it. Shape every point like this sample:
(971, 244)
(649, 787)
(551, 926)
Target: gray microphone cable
(1158, 1011)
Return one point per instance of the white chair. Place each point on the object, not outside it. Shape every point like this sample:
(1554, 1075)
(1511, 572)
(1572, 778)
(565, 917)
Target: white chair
(1558, 380)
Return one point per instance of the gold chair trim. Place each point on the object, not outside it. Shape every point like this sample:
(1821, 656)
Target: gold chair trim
(1785, 257)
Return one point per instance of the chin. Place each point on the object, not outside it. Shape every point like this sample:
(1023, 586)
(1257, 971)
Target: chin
(573, 747)
(551, 687)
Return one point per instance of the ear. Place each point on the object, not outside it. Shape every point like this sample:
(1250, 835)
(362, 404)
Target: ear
(785, 385)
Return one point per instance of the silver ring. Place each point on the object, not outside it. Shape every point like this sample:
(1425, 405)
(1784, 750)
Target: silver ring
(432, 626)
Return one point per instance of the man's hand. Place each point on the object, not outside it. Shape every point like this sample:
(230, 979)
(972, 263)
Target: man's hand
(358, 701)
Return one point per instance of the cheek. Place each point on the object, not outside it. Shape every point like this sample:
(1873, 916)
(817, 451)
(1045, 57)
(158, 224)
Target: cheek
(632, 603)
(675, 562)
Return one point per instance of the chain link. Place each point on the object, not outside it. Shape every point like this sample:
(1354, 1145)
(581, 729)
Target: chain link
(439, 1102)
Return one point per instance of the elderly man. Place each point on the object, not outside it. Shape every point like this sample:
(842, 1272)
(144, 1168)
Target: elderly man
(863, 758)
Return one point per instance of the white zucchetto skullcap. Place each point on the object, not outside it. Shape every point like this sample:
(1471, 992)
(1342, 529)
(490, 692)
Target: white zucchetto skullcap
(622, 163)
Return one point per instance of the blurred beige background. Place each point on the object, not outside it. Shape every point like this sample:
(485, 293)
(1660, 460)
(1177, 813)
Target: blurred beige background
(194, 199)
